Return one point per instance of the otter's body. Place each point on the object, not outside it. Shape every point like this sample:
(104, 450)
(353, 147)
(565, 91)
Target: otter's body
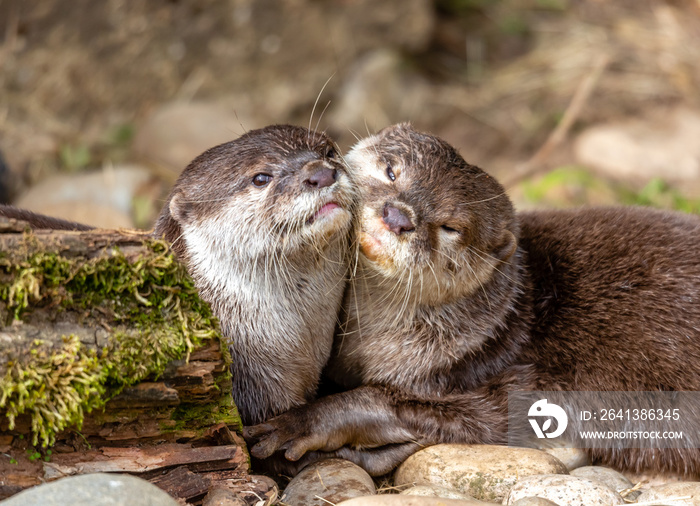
(457, 300)
(616, 296)
(263, 224)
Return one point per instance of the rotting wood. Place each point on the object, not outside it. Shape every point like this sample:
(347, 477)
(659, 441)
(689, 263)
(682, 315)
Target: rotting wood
(89, 317)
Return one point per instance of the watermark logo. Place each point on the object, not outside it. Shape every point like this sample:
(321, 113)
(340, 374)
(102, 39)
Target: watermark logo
(605, 420)
(543, 409)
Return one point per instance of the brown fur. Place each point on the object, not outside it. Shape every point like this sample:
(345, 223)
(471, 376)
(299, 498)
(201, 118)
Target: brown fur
(272, 270)
(443, 322)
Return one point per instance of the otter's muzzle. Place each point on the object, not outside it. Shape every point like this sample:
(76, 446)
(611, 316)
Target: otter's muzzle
(319, 176)
(396, 220)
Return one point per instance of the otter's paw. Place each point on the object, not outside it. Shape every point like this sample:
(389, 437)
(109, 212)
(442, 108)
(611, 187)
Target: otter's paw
(293, 432)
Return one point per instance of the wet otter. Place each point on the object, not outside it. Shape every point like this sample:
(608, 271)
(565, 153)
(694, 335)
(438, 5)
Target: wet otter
(263, 225)
(458, 300)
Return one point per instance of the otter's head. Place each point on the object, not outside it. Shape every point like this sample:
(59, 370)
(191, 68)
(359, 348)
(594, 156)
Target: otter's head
(430, 225)
(279, 190)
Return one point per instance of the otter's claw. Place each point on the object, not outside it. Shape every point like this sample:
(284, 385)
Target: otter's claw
(292, 431)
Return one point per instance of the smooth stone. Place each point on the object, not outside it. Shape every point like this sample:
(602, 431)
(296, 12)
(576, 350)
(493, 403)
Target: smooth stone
(179, 131)
(653, 479)
(433, 491)
(688, 489)
(564, 490)
(93, 490)
(101, 198)
(332, 480)
(662, 144)
(572, 458)
(486, 472)
(408, 500)
(222, 497)
(608, 477)
(534, 501)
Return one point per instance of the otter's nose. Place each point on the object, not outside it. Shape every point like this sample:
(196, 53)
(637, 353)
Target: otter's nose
(322, 178)
(397, 221)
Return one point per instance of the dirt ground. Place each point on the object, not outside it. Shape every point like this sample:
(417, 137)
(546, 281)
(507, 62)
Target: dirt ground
(78, 78)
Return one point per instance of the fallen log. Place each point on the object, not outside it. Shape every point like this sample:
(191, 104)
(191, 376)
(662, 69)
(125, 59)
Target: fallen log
(110, 362)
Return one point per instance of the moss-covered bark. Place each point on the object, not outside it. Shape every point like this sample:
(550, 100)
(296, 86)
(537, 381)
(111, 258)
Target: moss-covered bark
(86, 314)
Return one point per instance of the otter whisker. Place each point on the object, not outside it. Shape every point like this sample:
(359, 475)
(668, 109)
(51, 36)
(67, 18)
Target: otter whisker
(476, 252)
(437, 281)
(202, 201)
(476, 277)
(485, 200)
(354, 134)
(318, 97)
(321, 115)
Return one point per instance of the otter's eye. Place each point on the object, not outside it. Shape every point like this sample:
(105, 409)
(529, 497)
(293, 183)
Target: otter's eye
(449, 229)
(330, 152)
(261, 180)
(390, 173)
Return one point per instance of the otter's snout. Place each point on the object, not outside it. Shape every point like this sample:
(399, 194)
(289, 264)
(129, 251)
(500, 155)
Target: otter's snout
(321, 178)
(396, 220)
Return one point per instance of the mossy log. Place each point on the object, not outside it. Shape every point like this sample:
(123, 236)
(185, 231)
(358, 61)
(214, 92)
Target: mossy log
(110, 362)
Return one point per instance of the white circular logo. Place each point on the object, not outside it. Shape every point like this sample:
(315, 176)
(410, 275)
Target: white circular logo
(542, 408)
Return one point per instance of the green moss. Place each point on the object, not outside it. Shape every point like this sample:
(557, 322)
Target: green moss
(574, 186)
(658, 193)
(483, 487)
(55, 390)
(152, 308)
(221, 411)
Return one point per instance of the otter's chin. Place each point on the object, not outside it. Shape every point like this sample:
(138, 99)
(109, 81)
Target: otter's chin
(331, 219)
(376, 252)
(371, 248)
(326, 211)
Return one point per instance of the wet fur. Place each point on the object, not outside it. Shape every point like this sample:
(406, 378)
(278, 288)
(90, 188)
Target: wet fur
(274, 280)
(590, 299)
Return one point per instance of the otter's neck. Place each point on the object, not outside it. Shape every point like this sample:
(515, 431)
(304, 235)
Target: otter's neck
(427, 348)
(277, 312)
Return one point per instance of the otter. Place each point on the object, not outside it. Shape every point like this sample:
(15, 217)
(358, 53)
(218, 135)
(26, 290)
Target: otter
(458, 300)
(262, 224)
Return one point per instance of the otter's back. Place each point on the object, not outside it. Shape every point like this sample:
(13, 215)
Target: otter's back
(617, 287)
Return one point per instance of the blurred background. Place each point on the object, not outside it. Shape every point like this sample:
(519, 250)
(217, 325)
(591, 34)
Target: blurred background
(568, 102)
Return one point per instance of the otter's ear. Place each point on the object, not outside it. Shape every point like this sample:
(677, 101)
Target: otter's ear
(178, 207)
(397, 127)
(506, 247)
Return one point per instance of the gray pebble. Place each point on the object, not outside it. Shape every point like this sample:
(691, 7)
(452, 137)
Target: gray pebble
(98, 489)
(408, 500)
(222, 497)
(534, 501)
(435, 491)
(689, 490)
(572, 458)
(486, 472)
(328, 481)
(609, 477)
(564, 490)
